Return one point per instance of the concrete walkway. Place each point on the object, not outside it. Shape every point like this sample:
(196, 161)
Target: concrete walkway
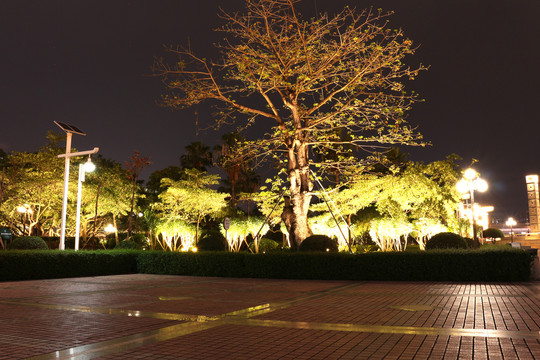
(180, 317)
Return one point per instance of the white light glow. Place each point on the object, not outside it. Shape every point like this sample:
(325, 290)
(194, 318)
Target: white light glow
(470, 174)
(89, 166)
(481, 185)
(462, 186)
(110, 228)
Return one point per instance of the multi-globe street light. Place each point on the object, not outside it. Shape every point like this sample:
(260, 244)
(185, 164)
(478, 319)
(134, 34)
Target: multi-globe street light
(511, 222)
(88, 166)
(470, 183)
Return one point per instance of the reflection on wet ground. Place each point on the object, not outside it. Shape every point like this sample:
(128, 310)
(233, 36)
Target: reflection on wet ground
(128, 316)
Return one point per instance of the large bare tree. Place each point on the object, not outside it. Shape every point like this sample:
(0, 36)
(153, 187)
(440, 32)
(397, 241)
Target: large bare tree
(324, 85)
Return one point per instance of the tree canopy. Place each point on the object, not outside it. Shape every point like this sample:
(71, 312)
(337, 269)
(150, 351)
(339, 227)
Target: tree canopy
(325, 84)
(190, 199)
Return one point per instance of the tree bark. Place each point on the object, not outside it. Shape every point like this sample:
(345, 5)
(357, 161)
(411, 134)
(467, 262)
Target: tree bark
(115, 230)
(295, 213)
(96, 209)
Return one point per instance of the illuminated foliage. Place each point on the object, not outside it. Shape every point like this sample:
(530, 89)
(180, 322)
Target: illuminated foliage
(418, 200)
(326, 225)
(190, 199)
(107, 193)
(34, 181)
(387, 233)
(325, 85)
(239, 230)
(175, 235)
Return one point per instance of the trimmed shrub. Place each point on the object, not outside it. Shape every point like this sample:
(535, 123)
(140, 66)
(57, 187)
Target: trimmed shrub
(446, 240)
(494, 263)
(319, 243)
(413, 248)
(51, 264)
(470, 242)
(128, 245)
(28, 243)
(139, 239)
(275, 234)
(490, 264)
(493, 233)
(265, 245)
(212, 241)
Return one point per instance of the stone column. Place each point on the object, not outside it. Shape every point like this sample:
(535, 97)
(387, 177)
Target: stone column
(534, 202)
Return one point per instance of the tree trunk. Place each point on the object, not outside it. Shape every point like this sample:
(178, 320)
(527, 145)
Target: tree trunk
(2, 186)
(130, 215)
(295, 213)
(85, 234)
(115, 230)
(94, 232)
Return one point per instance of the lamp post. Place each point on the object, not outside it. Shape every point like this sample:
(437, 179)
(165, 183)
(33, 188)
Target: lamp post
(511, 222)
(471, 181)
(83, 168)
(70, 130)
(24, 209)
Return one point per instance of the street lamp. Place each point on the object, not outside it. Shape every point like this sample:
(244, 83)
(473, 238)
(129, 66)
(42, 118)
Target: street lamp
(83, 168)
(110, 228)
(24, 209)
(70, 130)
(511, 222)
(471, 181)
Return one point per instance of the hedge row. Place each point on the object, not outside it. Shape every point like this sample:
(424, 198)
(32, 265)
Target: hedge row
(51, 264)
(436, 265)
(505, 264)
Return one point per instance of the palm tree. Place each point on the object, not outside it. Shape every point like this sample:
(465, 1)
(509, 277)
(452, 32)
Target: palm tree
(234, 167)
(198, 156)
(250, 181)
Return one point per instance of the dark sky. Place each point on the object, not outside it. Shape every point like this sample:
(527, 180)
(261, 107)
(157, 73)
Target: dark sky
(87, 63)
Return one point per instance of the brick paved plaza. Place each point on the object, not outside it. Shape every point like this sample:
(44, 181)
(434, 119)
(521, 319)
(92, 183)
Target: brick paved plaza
(180, 317)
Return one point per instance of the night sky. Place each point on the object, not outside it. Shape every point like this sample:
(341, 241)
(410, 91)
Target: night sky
(88, 63)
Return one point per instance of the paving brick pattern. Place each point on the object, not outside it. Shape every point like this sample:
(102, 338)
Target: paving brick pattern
(180, 317)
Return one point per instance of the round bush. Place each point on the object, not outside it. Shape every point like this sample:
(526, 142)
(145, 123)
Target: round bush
(265, 245)
(128, 245)
(141, 240)
(493, 233)
(212, 241)
(28, 243)
(446, 240)
(319, 243)
(470, 242)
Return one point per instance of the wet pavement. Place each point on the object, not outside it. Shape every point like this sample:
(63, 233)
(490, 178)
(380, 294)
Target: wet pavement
(180, 317)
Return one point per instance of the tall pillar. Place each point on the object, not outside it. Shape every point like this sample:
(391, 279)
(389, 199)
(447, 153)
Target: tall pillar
(534, 202)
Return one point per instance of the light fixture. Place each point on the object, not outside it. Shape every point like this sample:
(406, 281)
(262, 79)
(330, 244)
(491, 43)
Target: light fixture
(88, 166)
(470, 183)
(109, 228)
(511, 222)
